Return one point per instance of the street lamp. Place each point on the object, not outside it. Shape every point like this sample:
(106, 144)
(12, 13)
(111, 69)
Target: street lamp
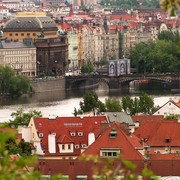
(38, 64)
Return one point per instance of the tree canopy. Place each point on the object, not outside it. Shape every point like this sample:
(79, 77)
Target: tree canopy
(13, 84)
(15, 168)
(160, 56)
(142, 104)
(21, 118)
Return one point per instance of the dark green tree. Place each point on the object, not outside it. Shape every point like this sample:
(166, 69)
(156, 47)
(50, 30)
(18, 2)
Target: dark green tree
(12, 84)
(127, 103)
(90, 102)
(171, 117)
(169, 36)
(87, 68)
(25, 148)
(155, 57)
(12, 169)
(20, 118)
(146, 104)
(113, 105)
(19, 85)
(6, 73)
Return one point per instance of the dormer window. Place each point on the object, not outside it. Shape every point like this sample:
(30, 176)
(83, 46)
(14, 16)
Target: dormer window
(40, 135)
(72, 134)
(167, 140)
(76, 146)
(84, 145)
(110, 152)
(80, 133)
(113, 133)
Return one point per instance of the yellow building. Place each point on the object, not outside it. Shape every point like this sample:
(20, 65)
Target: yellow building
(30, 25)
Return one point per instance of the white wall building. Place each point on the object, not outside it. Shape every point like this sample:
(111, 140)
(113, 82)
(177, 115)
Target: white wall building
(19, 56)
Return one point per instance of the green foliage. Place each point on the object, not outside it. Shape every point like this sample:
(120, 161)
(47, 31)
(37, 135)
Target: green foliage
(105, 170)
(146, 103)
(12, 169)
(90, 102)
(12, 84)
(171, 117)
(170, 6)
(23, 148)
(157, 57)
(113, 105)
(129, 4)
(169, 36)
(22, 118)
(143, 104)
(87, 68)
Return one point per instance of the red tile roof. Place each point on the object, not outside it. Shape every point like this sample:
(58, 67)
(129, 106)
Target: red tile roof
(157, 133)
(63, 126)
(147, 118)
(121, 141)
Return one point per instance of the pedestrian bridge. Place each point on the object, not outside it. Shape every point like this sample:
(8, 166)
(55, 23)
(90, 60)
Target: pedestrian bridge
(73, 82)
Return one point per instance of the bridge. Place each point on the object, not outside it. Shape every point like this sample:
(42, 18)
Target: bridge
(120, 82)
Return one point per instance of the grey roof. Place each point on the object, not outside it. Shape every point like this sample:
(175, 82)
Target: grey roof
(13, 45)
(121, 117)
(30, 23)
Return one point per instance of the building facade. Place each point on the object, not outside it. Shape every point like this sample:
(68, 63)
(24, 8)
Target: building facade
(19, 56)
(51, 46)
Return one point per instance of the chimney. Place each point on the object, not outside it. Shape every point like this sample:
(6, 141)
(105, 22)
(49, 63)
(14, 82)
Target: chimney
(104, 126)
(147, 152)
(113, 133)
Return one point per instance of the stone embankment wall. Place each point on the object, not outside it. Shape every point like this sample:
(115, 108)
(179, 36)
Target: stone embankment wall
(48, 85)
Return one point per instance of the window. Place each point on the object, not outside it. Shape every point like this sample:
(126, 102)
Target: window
(76, 146)
(10, 34)
(80, 133)
(40, 135)
(63, 146)
(69, 146)
(110, 152)
(81, 177)
(22, 34)
(72, 134)
(16, 34)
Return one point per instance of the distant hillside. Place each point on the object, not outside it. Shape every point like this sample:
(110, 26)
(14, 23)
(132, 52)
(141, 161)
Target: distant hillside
(128, 4)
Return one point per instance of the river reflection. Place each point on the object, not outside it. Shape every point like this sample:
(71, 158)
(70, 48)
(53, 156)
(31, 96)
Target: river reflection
(60, 103)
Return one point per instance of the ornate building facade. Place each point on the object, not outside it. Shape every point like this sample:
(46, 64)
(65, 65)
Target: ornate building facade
(51, 46)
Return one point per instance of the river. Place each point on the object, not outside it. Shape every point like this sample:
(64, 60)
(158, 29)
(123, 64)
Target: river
(60, 104)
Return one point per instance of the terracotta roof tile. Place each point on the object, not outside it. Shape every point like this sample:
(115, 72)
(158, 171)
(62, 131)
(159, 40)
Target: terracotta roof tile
(121, 141)
(156, 134)
(63, 126)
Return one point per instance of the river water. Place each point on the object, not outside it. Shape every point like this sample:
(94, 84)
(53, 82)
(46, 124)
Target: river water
(63, 104)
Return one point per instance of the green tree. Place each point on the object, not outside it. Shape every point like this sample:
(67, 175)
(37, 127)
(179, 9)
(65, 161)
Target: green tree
(91, 102)
(12, 169)
(113, 105)
(169, 36)
(160, 56)
(87, 68)
(19, 85)
(127, 103)
(22, 148)
(22, 118)
(12, 84)
(146, 103)
(6, 73)
(171, 117)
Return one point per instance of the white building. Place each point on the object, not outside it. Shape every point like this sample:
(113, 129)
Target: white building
(171, 107)
(19, 56)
